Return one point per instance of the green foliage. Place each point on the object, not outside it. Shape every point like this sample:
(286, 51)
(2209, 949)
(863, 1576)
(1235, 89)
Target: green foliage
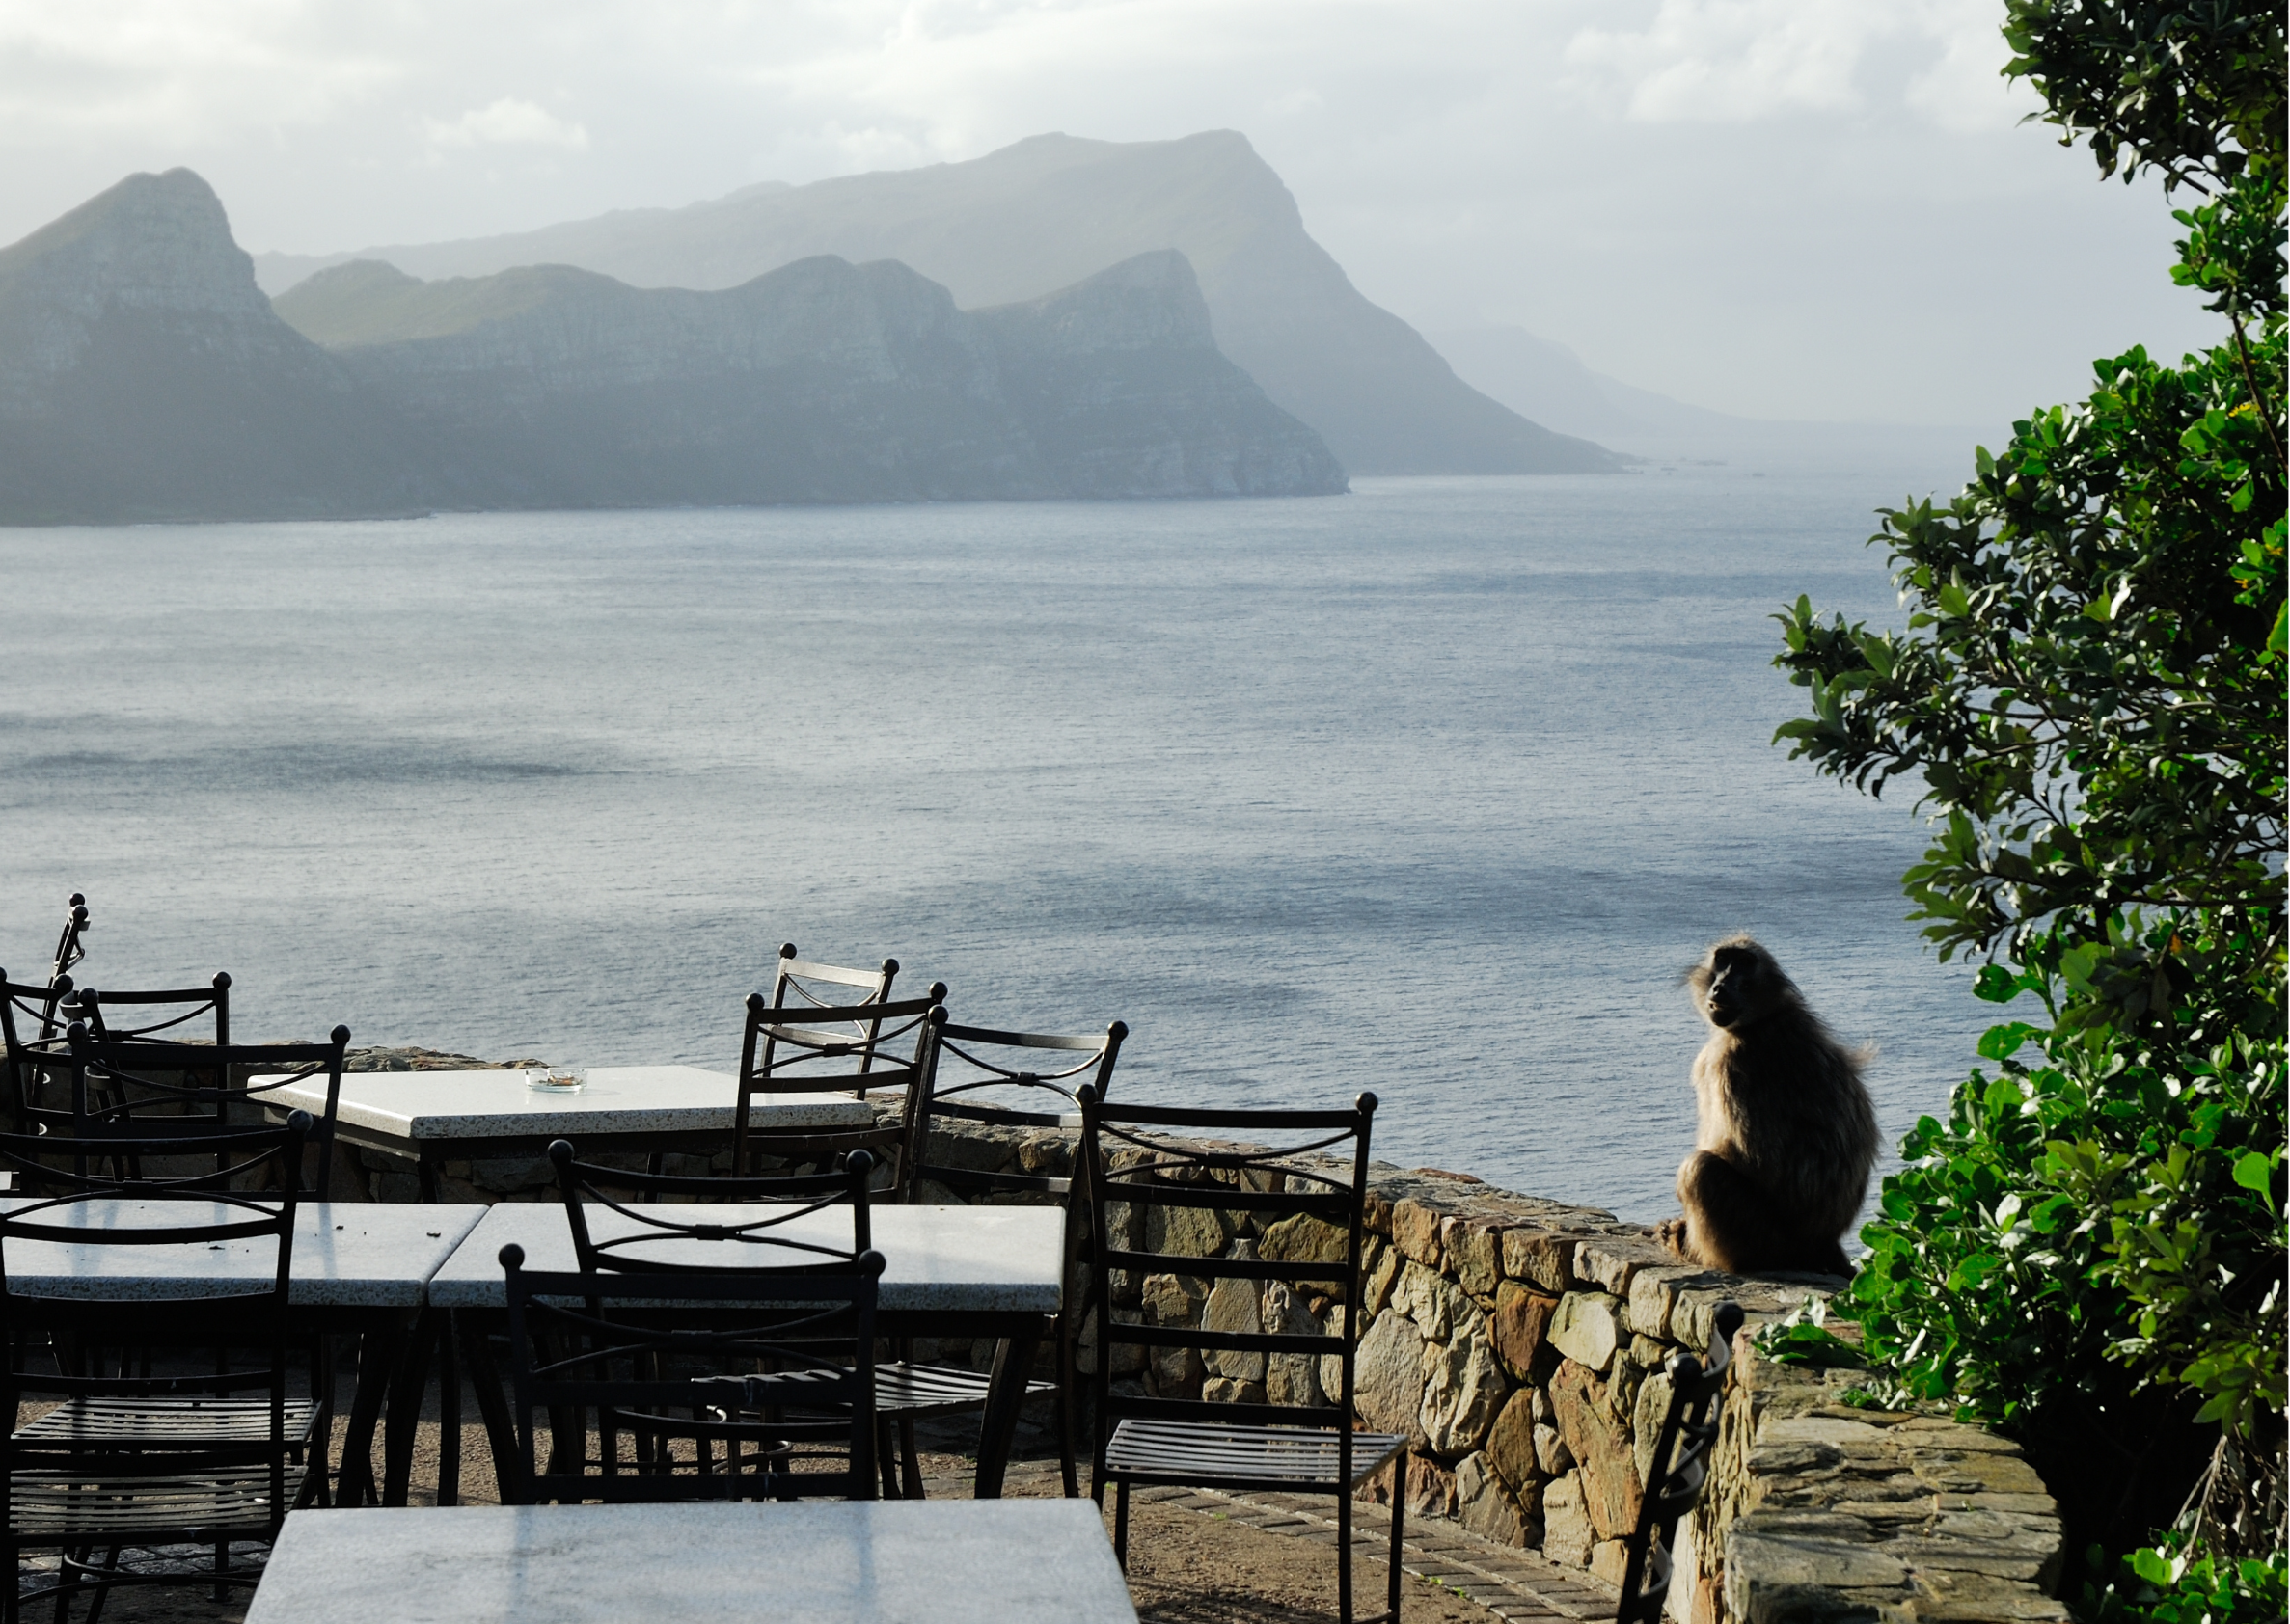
(2191, 88)
(2090, 1249)
(2167, 1584)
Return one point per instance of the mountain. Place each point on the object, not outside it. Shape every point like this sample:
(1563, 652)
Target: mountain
(143, 375)
(822, 381)
(1044, 214)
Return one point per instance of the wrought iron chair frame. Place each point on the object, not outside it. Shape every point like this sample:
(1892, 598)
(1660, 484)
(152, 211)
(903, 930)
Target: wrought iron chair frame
(1680, 1470)
(1197, 1442)
(773, 1055)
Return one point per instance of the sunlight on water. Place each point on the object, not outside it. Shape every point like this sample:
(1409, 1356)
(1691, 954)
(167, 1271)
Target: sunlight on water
(1432, 790)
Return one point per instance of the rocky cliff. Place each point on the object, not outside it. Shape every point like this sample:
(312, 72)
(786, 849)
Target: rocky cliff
(1047, 212)
(822, 381)
(144, 376)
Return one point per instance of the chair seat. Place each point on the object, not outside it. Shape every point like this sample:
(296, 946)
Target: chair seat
(1173, 1451)
(197, 1507)
(165, 1424)
(914, 1390)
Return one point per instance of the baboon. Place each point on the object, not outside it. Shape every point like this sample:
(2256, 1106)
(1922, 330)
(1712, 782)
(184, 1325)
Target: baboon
(1788, 1133)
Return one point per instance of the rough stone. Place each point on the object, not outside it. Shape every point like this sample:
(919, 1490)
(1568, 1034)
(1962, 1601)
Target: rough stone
(1415, 1231)
(1653, 1291)
(1545, 1258)
(1290, 1378)
(1223, 1390)
(1301, 1238)
(1510, 1442)
(1609, 1557)
(1484, 1504)
(1463, 1387)
(1233, 1306)
(1431, 1299)
(1388, 1373)
(1608, 1261)
(1175, 1372)
(1430, 1487)
(1520, 1323)
(1586, 1328)
(1379, 1274)
(1566, 1533)
(1172, 1299)
(1186, 1232)
(1647, 1354)
(1646, 1421)
(1551, 1454)
(1475, 1252)
(1331, 1365)
(1601, 1443)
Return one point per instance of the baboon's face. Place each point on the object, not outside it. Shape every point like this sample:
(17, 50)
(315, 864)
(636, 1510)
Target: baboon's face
(1734, 984)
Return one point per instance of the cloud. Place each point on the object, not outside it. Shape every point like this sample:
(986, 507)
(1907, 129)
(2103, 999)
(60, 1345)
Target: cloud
(506, 122)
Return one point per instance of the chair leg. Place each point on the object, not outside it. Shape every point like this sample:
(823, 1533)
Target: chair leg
(1344, 1553)
(449, 1414)
(1121, 1524)
(910, 1459)
(1399, 1525)
(1065, 1416)
(886, 1459)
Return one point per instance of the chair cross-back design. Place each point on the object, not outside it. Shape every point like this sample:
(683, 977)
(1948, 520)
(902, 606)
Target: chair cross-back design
(1680, 1470)
(1311, 1178)
(141, 1459)
(886, 1049)
(798, 984)
(33, 1019)
(772, 1211)
(1005, 1079)
(122, 1021)
(778, 1374)
(122, 1087)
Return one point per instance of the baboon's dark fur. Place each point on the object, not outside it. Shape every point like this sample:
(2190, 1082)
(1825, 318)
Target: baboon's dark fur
(1788, 1133)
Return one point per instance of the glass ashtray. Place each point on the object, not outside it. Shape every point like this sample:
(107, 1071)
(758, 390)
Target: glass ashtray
(556, 1079)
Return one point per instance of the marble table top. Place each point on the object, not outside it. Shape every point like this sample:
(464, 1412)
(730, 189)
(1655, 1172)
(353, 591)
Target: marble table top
(939, 1561)
(980, 1258)
(419, 1106)
(346, 1254)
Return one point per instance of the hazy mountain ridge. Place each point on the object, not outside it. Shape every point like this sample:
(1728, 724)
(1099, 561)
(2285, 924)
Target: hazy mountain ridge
(1044, 213)
(143, 375)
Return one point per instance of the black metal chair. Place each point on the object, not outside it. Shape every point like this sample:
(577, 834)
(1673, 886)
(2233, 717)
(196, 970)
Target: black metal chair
(1008, 1080)
(1237, 1439)
(780, 1380)
(33, 1020)
(799, 983)
(880, 1051)
(123, 1086)
(1680, 1470)
(132, 1459)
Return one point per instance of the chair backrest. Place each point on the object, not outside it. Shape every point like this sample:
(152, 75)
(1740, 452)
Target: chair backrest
(779, 1055)
(33, 1019)
(1680, 1469)
(123, 1087)
(145, 1015)
(1004, 1079)
(1155, 1203)
(799, 983)
(69, 952)
(768, 1230)
(774, 1367)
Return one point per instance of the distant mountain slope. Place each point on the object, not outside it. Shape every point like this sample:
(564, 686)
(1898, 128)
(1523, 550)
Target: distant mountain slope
(820, 382)
(143, 375)
(1046, 213)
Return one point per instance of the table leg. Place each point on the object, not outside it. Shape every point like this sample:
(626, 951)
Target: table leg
(449, 1415)
(407, 1384)
(1005, 1396)
(477, 1350)
(379, 1348)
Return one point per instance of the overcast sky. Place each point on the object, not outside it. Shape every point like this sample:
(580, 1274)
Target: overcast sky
(1785, 208)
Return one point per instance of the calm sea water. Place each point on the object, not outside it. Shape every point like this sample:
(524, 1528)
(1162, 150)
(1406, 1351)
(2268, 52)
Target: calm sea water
(1433, 789)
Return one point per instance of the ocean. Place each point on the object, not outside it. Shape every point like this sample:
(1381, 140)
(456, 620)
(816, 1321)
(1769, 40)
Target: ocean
(1435, 789)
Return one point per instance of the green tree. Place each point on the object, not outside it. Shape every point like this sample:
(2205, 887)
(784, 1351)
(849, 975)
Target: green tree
(2090, 1250)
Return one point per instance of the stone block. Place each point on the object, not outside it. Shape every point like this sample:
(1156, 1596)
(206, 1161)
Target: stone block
(1608, 1558)
(1233, 1304)
(1290, 1378)
(1174, 1372)
(1542, 1257)
(1388, 1374)
(1587, 1327)
(1379, 1276)
(1173, 1299)
(1188, 1232)
(1553, 1457)
(1431, 1300)
(1646, 1421)
(1601, 1443)
(1301, 1238)
(1654, 1290)
(1566, 1533)
(1415, 1231)
(1484, 1504)
(1977, 1598)
(1609, 1261)
(1049, 1154)
(1463, 1387)
(1520, 1323)
(1224, 1390)
(1782, 1576)
(1331, 1366)
(1510, 1442)
(1430, 1487)
(1475, 1254)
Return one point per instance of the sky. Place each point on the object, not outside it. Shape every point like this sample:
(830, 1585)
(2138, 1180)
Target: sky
(1788, 208)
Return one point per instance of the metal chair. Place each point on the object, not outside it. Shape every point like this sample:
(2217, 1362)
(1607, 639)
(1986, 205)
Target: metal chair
(1680, 1470)
(882, 1050)
(781, 1380)
(134, 1459)
(122, 1086)
(1236, 1440)
(1002, 1079)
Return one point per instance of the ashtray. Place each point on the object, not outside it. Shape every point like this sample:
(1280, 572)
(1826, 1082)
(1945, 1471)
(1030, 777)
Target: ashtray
(558, 1080)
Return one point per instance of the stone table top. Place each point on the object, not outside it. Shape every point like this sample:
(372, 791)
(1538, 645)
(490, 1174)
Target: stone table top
(995, 1259)
(346, 1254)
(424, 1107)
(944, 1561)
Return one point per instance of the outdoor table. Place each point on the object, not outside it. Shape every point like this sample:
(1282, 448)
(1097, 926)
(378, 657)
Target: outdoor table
(431, 1117)
(357, 1268)
(948, 1271)
(900, 1561)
